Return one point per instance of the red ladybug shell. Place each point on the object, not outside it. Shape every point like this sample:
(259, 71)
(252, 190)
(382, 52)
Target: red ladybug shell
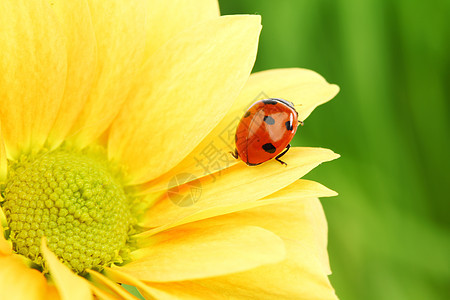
(265, 130)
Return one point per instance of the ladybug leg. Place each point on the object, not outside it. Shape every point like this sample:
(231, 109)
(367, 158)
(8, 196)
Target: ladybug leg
(234, 154)
(281, 154)
(301, 123)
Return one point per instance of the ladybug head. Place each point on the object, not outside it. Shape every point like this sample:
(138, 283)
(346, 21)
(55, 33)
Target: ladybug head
(288, 103)
(285, 102)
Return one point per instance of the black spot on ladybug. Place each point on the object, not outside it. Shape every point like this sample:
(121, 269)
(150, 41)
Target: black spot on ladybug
(289, 125)
(269, 148)
(247, 114)
(269, 120)
(270, 101)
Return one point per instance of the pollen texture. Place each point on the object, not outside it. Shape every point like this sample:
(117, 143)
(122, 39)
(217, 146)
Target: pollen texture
(72, 199)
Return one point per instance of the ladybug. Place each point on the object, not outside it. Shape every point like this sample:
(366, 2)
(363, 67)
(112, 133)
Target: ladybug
(265, 131)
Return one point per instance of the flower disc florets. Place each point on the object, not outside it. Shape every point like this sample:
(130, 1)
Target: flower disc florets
(72, 199)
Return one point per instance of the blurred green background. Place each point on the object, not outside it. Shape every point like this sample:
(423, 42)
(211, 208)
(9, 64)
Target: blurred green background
(389, 227)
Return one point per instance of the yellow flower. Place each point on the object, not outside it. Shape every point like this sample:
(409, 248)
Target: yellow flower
(116, 122)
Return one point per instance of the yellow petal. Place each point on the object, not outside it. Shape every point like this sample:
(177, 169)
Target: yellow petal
(190, 290)
(302, 220)
(301, 188)
(300, 276)
(305, 193)
(19, 282)
(302, 226)
(120, 34)
(75, 21)
(204, 252)
(305, 88)
(119, 291)
(298, 190)
(3, 220)
(187, 87)
(236, 185)
(167, 18)
(69, 285)
(5, 246)
(3, 158)
(52, 293)
(148, 292)
(32, 73)
(101, 294)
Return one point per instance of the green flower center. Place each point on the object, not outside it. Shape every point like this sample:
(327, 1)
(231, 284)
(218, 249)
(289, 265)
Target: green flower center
(76, 201)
